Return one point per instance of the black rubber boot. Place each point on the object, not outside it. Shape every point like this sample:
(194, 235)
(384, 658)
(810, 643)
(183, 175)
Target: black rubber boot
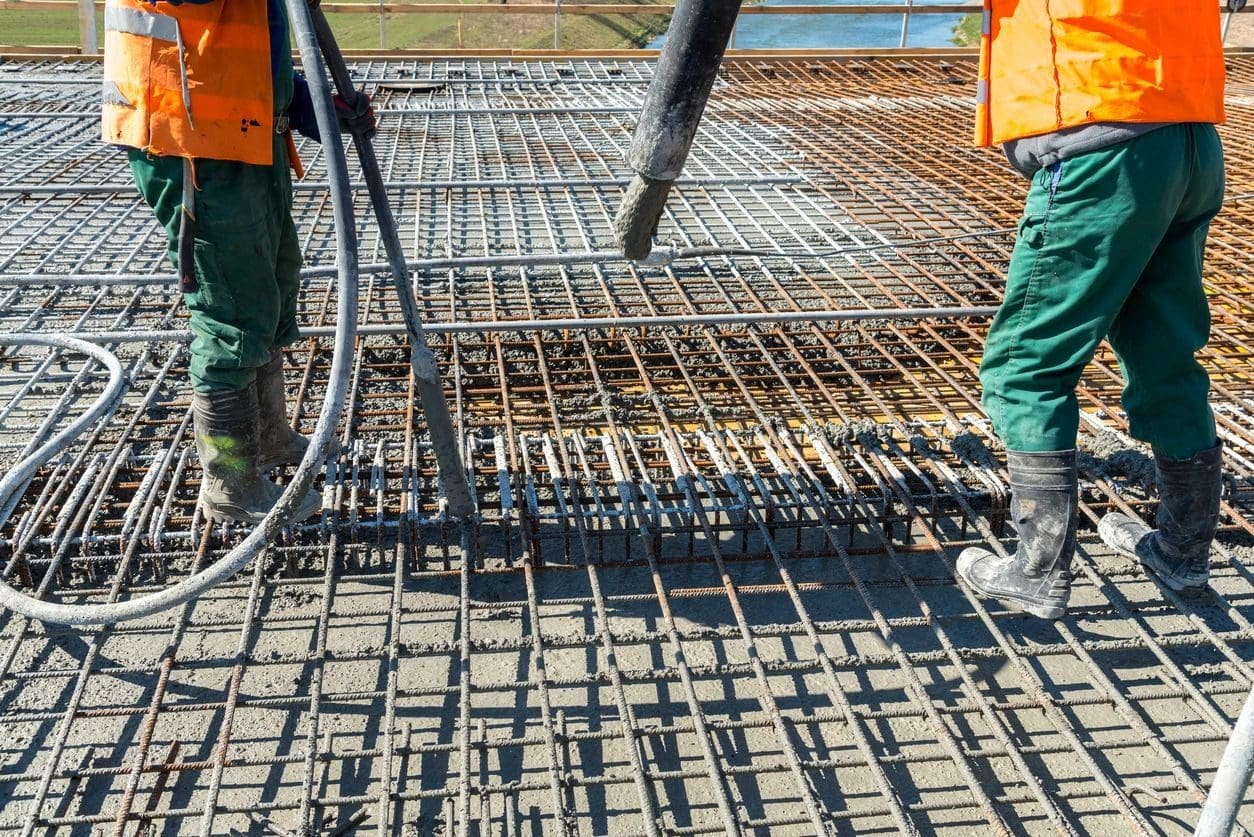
(1037, 578)
(227, 440)
(280, 444)
(1178, 551)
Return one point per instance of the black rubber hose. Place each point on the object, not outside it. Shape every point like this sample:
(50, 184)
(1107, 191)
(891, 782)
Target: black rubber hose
(682, 81)
(187, 233)
(444, 439)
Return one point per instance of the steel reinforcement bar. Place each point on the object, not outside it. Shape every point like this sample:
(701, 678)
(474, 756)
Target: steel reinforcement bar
(710, 589)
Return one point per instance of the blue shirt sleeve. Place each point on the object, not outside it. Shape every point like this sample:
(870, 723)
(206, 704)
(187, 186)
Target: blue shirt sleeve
(301, 111)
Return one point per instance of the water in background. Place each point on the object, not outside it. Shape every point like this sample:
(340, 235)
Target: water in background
(836, 31)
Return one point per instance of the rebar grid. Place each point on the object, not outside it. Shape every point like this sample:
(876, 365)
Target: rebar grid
(711, 588)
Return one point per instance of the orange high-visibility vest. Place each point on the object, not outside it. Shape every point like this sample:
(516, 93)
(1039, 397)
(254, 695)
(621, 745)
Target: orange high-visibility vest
(1046, 65)
(189, 80)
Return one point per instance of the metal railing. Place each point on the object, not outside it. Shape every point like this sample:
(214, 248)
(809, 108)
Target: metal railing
(89, 44)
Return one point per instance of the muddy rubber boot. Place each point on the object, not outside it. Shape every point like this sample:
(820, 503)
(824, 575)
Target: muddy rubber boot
(1043, 503)
(280, 444)
(227, 440)
(1178, 551)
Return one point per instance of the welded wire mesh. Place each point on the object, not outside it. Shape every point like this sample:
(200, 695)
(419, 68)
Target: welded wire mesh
(711, 588)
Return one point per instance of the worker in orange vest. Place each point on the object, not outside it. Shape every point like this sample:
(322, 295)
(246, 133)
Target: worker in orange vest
(1109, 108)
(204, 95)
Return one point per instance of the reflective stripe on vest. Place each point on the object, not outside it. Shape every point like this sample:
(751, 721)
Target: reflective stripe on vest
(148, 24)
(153, 25)
(983, 127)
(111, 95)
(1046, 66)
(165, 61)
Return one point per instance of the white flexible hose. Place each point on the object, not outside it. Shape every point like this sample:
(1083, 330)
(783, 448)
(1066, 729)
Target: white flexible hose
(1232, 778)
(26, 468)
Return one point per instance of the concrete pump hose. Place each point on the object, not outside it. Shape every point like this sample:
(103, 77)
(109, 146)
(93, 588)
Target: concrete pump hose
(639, 214)
(444, 438)
(25, 469)
(333, 404)
(1232, 778)
(682, 80)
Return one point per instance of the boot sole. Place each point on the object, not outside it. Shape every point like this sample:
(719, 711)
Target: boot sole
(1037, 609)
(280, 461)
(270, 464)
(1042, 611)
(225, 517)
(1051, 612)
(222, 517)
(218, 516)
(1171, 581)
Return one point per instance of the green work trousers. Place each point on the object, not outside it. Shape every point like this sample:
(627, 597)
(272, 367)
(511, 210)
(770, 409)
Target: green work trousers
(1110, 245)
(247, 260)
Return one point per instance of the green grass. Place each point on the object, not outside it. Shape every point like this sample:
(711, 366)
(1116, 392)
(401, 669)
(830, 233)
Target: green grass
(359, 31)
(438, 31)
(39, 27)
(406, 31)
(967, 31)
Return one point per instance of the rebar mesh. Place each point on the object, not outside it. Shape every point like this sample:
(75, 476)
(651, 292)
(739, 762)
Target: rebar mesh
(711, 588)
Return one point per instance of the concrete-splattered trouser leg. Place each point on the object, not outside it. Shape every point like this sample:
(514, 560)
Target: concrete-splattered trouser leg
(247, 260)
(1110, 243)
